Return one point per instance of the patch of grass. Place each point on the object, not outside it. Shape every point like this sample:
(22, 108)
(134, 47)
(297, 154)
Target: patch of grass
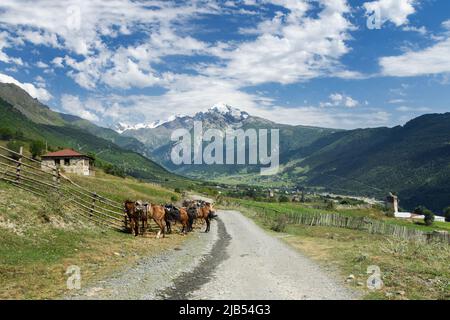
(120, 189)
(315, 208)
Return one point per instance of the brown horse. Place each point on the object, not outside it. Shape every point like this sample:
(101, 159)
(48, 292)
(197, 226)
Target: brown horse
(174, 214)
(130, 209)
(142, 211)
(206, 212)
(158, 214)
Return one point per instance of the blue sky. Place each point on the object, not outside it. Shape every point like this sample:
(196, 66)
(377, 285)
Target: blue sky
(292, 61)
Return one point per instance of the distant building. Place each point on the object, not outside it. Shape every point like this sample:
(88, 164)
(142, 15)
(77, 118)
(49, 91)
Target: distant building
(392, 202)
(69, 161)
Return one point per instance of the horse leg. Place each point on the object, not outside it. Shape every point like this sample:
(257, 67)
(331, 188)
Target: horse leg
(144, 226)
(131, 226)
(207, 224)
(136, 228)
(162, 228)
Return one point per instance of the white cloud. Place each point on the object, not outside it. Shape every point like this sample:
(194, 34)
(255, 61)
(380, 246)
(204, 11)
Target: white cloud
(42, 65)
(429, 61)
(329, 118)
(413, 109)
(58, 62)
(421, 30)
(40, 93)
(291, 47)
(339, 99)
(6, 43)
(73, 105)
(396, 11)
(396, 101)
(39, 37)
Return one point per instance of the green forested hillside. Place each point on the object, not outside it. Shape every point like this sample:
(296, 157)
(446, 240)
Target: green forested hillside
(413, 160)
(131, 162)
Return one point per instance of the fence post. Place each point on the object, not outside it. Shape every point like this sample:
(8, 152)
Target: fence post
(58, 178)
(93, 204)
(55, 173)
(19, 164)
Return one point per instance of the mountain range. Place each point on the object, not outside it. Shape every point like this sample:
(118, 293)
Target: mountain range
(412, 160)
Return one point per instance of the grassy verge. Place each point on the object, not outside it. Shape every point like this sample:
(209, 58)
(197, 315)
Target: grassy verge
(39, 239)
(313, 208)
(409, 270)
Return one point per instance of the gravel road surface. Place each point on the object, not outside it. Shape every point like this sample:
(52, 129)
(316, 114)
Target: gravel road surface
(236, 260)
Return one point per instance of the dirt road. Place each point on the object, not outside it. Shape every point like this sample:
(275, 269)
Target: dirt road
(236, 260)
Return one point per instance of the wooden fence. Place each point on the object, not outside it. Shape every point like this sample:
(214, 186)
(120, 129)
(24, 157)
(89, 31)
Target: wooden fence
(43, 180)
(358, 223)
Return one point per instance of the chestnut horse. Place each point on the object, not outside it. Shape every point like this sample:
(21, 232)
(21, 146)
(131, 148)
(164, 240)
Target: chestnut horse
(158, 214)
(174, 214)
(130, 209)
(138, 211)
(206, 212)
(142, 210)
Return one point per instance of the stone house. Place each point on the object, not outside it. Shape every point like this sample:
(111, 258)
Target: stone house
(69, 161)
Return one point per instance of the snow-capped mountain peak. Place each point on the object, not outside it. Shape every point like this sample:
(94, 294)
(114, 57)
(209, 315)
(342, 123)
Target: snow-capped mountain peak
(228, 114)
(227, 110)
(122, 127)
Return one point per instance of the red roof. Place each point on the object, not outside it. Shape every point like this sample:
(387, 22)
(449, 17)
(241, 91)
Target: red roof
(64, 153)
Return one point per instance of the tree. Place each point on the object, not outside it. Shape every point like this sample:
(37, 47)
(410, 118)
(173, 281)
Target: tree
(37, 148)
(6, 134)
(14, 146)
(19, 135)
(419, 210)
(429, 217)
(447, 214)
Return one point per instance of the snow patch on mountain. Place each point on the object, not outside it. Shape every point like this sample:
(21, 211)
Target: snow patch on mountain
(122, 127)
(231, 114)
(226, 109)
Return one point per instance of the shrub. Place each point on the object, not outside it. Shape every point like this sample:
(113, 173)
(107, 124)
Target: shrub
(14, 146)
(19, 135)
(177, 190)
(280, 223)
(113, 170)
(419, 210)
(330, 205)
(429, 217)
(283, 198)
(174, 198)
(6, 134)
(37, 148)
(390, 214)
(447, 214)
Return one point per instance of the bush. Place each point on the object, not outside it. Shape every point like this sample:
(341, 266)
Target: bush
(14, 146)
(37, 148)
(447, 214)
(6, 134)
(283, 198)
(419, 210)
(280, 223)
(174, 198)
(114, 170)
(177, 190)
(330, 205)
(429, 217)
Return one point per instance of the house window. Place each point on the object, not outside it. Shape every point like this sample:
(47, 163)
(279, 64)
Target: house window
(56, 162)
(67, 162)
